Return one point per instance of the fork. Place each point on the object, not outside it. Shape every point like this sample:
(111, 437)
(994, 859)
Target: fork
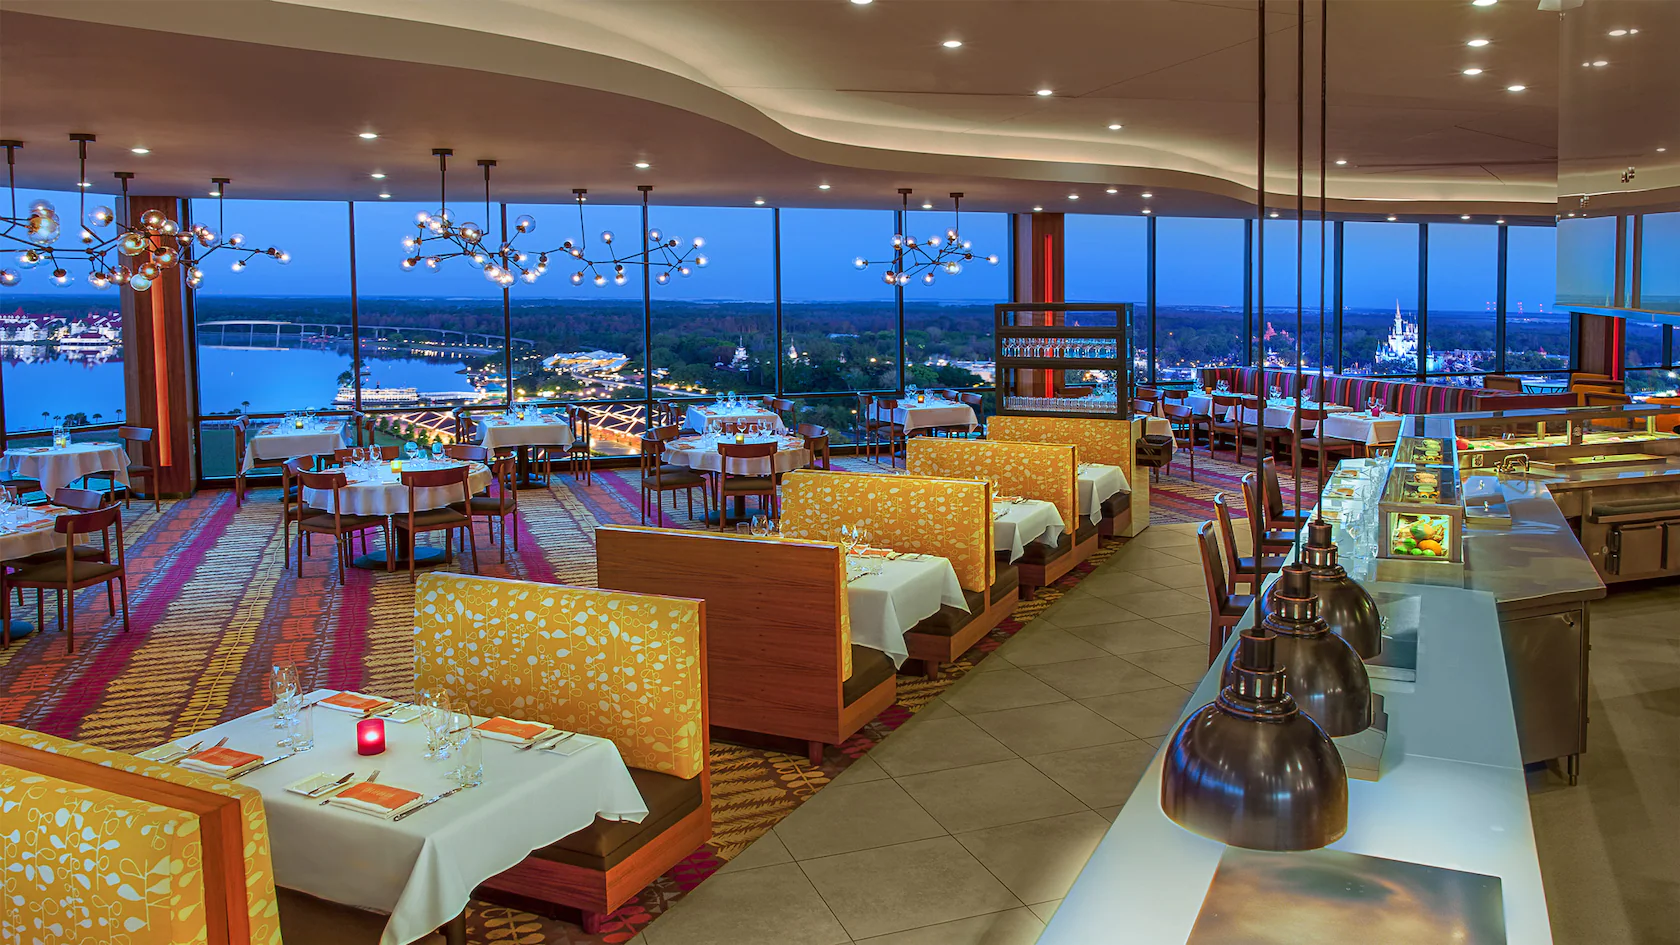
(367, 780)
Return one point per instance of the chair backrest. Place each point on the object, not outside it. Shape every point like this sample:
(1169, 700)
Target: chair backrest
(781, 406)
(817, 441)
(666, 433)
(578, 419)
(1255, 505)
(1140, 405)
(1213, 570)
(630, 667)
(1228, 534)
(241, 431)
(951, 518)
(778, 634)
(137, 434)
(1231, 400)
(204, 838)
(331, 479)
(82, 500)
(1048, 471)
(973, 400)
(468, 452)
(1178, 413)
(1174, 393)
(1150, 394)
(433, 478)
(1274, 491)
(82, 523)
(1502, 382)
(746, 450)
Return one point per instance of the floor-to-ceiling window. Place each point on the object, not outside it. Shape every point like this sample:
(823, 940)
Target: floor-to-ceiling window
(1651, 354)
(1537, 338)
(948, 323)
(1379, 298)
(1276, 326)
(1199, 290)
(1106, 259)
(715, 329)
(61, 351)
(1463, 266)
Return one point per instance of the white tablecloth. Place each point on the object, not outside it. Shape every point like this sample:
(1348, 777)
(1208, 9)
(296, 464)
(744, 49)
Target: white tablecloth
(30, 531)
(700, 454)
(500, 433)
(274, 442)
(1364, 428)
(1157, 426)
(421, 870)
(935, 413)
(907, 591)
(1019, 524)
(1097, 483)
(1281, 415)
(56, 468)
(385, 494)
(697, 416)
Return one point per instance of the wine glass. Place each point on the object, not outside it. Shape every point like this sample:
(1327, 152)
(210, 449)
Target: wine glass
(411, 449)
(848, 538)
(760, 525)
(437, 451)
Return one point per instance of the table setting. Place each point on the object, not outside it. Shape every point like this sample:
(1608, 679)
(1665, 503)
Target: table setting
(728, 414)
(524, 426)
(403, 808)
(700, 452)
(888, 592)
(919, 410)
(1018, 522)
(1372, 429)
(295, 435)
(1098, 482)
(57, 466)
(27, 530)
(375, 486)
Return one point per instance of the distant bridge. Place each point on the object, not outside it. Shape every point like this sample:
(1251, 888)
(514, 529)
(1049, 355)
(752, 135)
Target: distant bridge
(264, 334)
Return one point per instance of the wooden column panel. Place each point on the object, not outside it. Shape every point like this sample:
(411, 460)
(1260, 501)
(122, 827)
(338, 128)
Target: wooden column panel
(1601, 344)
(159, 365)
(1039, 272)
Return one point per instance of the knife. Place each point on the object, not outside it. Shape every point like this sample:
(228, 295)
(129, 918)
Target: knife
(339, 783)
(369, 779)
(427, 803)
(554, 733)
(263, 765)
(557, 741)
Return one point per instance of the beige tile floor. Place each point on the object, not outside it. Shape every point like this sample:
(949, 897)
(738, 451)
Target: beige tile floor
(968, 824)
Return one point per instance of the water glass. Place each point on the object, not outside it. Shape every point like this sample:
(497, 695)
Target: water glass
(468, 750)
(300, 730)
(760, 525)
(437, 719)
(283, 686)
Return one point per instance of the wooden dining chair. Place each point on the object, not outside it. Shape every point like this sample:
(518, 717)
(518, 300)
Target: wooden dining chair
(345, 454)
(660, 477)
(332, 521)
(444, 518)
(1264, 538)
(580, 455)
(137, 441)
(66, 573)
(494, 507)
(1245, 569)
(730, 485)
(1219, 426)
(1181, 417)
(1278, 515)
(787, 410)
(1225, 610)
(888, 434)
(816, 440)
(977, 403)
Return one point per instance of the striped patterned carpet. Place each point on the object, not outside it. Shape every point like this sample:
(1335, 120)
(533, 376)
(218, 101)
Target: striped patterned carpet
(213, 607)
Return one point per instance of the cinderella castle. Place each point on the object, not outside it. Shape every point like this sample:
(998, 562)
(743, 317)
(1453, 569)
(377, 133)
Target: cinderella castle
(1398, 352)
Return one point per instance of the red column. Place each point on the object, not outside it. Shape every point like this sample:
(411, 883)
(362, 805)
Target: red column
(158, 366)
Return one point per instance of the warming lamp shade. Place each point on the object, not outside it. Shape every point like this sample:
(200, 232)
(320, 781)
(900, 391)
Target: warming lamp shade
(1343, 602)
(1327, 679)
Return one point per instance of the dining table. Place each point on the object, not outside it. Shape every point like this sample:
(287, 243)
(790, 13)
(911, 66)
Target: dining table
(27, 530)
(523, 430)
(378, 489)
(700, 453)
(1018, 522)
(888, 593)
(932, 413)
(1362, 428)
(419, 871)
(700, 417)
(58, 466)
(1099, 482)
(280, 441)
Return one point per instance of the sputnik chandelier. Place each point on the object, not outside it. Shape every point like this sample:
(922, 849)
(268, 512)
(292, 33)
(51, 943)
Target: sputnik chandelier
(440, 238)
(659, 252)
(926, 258)
(144, 249)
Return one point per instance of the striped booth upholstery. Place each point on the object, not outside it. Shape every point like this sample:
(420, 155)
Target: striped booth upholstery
(1354, 391)
(100, 846)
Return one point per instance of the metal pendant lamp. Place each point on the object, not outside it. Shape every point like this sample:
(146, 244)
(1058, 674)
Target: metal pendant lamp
(1250, 768)
(1343, 602)
(1326, 677)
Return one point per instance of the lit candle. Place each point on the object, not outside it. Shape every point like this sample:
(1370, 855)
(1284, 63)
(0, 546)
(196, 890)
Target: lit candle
(298, 422)
(370, 737)
(396, 465)
(740, 438)
(921, 398)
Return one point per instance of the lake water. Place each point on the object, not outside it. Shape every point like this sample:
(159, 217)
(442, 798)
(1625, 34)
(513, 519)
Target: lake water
(272, 380)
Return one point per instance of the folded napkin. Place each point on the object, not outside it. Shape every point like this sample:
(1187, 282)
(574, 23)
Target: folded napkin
(864, 551)
(271, 428)
(35, 449)
(379, 800)
(33, 525)
(352, 702)
(225, 762)
(504, 729)
(1009, 499)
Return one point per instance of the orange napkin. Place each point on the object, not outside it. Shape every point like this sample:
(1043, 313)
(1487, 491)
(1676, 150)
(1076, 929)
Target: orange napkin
(380, 800)
(512, 730)
(351, 702)
(225, 762)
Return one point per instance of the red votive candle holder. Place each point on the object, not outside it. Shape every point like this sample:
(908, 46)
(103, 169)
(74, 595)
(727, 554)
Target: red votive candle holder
(370, 737)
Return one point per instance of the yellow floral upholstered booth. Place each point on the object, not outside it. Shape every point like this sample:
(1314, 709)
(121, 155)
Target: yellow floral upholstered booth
(1034, 470)
(1108, 442)
(623, 666)
(100, 846)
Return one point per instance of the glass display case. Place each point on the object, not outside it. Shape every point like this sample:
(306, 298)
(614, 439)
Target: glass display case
(1421, 513)
(1575, 437)
(1066, 359)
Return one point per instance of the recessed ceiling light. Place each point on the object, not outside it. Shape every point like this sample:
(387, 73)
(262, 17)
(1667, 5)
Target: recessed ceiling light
(1274, 214)
(83, 183)
(1146, 210)
(1618, 32)
(141, 150)
(1115, 127)
(1472, 71)
(1392, 218)
(1600, 62)
(1572, 214)
(642, 165)
(1146, 195)
(1341, 162)
(1515, 88)
(927, 205)
(1483, 3)
(862, 3)
(377, 175)
(1585, 64)
(822, 186)
(1113, 190)
(1500, 221)
(368, 136)
(759, 202)
(1477, 43)
(1633, 32)
(1038, 209)
(1045, 92)
(1464, 216)
(952, 44)
(215, 193)
(384, 196)
(1661, 150)
(1073, 196)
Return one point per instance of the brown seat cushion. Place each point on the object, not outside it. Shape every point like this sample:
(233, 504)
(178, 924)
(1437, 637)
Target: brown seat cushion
(317, 519)
(948, 620)
(870, 668)
(1116, 503)
(435, 518)
(490, 504)
(1236, 605)
(82, 552)
(671, 477)
(1084, 528)
(748, 484)
(1008, 582)
(53, 572)
(1039, 553)
(605, 843)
